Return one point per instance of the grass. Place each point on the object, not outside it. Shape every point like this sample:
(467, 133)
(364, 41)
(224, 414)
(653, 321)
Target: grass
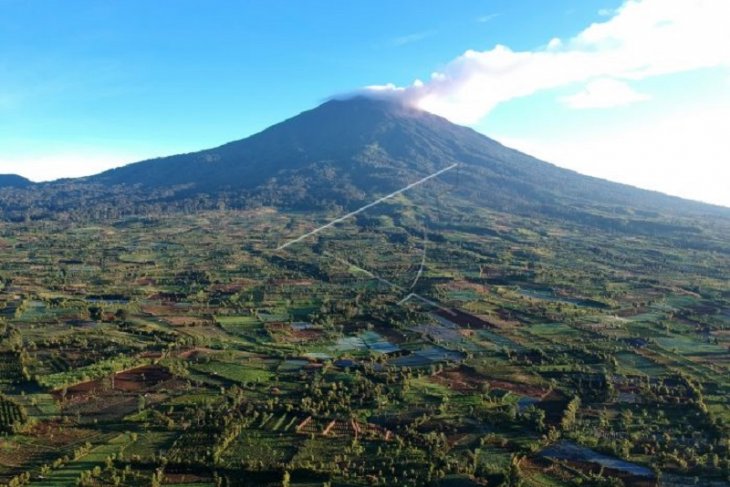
(236, 372)
(262, 447)
(90, 372)
(634, 364)
(69, 473)
(242, 321)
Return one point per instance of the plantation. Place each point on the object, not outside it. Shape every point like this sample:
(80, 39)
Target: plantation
(12, 416)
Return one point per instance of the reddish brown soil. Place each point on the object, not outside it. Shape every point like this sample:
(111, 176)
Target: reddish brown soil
(184, 478)
(233, 287)
(158, 310)
(134, 380)
(466, 379)
(391, 334)
(187, 320)
(465, 319)
(141, 378)
(195, 352)
(466, 333)
(629, 312)
(462, 285)
(285, 333)
(521, 389)
(54, 433)
(460, 379)
(340, 428)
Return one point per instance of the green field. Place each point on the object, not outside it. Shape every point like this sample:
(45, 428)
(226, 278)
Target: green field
(195, 354)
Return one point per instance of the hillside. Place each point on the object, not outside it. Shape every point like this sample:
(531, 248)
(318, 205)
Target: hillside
(369, 145)
(346, 153)
(13, 181)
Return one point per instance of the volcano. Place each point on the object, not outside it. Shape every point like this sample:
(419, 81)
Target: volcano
(350, 151)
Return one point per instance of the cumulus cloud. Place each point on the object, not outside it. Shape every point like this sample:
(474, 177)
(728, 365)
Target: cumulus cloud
(604, 93)
(683, 153)
(641, 39)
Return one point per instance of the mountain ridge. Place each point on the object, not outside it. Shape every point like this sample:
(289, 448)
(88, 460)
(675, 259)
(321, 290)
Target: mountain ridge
(14, 181)
(346, 152)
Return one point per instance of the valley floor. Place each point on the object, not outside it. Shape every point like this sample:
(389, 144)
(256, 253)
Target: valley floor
(186, 350)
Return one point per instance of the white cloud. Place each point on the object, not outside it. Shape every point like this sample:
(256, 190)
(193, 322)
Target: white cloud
(604, 93)
(486, 18)
(683, 153)
(555, 43)
(643, 38)
(390, 88)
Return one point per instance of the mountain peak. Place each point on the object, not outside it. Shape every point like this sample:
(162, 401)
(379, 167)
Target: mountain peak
(373, 102)
(348, 150)
(336, 133)
(372, 105)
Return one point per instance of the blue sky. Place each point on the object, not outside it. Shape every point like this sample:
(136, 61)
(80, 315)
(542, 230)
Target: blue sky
(87, 85)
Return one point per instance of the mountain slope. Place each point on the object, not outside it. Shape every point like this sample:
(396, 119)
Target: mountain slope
(350, 149)
(14, 181)
(346, 153)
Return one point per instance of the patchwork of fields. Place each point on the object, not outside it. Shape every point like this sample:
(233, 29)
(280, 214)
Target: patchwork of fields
(185, 351)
